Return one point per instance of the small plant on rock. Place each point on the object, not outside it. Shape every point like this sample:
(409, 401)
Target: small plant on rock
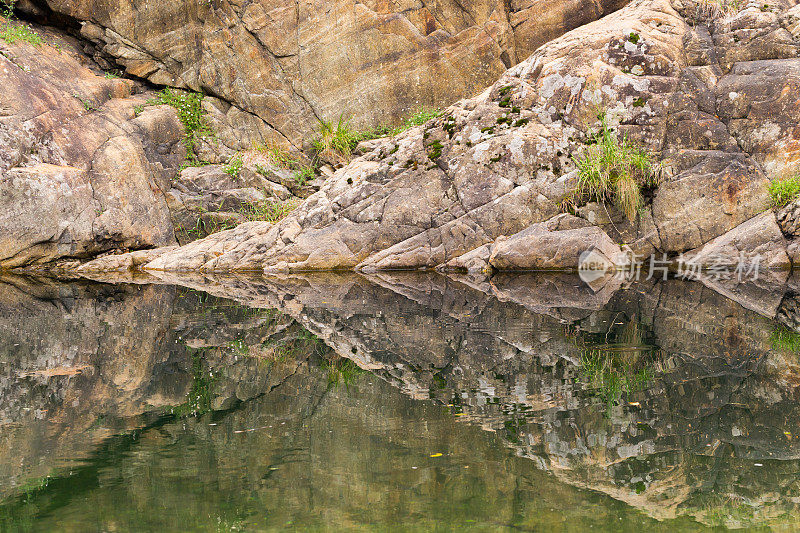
(190, 112)
(614, 170)
(234, 166)
(720, 8)
(269, 211)
(783, 191)
(279, 156)
(336, 141)
(12, 31)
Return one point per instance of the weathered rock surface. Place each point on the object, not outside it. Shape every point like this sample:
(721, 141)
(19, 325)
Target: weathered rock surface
(284, 63)
(668, 77)
(80, 171)
(758, 243)
(553, 245)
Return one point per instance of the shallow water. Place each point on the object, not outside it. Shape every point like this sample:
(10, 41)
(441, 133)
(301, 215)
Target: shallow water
(397, 402)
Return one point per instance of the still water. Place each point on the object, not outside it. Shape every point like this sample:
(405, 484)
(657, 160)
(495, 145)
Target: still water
(402, 403)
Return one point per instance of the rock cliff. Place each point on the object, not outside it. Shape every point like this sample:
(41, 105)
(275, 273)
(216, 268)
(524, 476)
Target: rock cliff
(488, 185)
(84, 164)
(288, 63)
(711, 95)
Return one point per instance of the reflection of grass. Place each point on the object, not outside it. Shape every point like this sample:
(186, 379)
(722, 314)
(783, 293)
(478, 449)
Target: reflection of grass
(611, 376)
(785, 340)
(728, 512)
(342, 372)
(201, 395)
(616, 370)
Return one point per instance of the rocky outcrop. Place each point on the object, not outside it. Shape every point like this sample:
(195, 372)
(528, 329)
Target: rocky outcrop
(717, 121)
(207, 199)
(286, 64)
(558, 244)
(84, 164)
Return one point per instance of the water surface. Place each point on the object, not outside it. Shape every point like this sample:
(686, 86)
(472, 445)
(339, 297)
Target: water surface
(397, 402)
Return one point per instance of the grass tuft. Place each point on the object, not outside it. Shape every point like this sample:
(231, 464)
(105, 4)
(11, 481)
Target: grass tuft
(190, 112)
(340, 140)
(784, 190)
(281, 157)
(234, 166)
(337, 141)
(613, 170)
(12, 31)
(269, 211)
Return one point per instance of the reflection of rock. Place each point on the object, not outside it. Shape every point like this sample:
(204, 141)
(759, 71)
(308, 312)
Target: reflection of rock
(720, 400)
(80, 362)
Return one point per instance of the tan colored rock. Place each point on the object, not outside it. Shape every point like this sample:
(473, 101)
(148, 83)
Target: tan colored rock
(756, 244)
(283, 64)
(126, 262)
(538, 248)
(502, 161)
(80, 172)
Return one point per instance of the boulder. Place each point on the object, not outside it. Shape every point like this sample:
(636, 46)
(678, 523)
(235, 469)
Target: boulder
(755, 248)
(126, 262)
(83, 168)
(538, 248)
(558, 244)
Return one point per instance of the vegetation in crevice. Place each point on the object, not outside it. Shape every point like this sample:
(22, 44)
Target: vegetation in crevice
(234, 165)
(338, 141)
(190, 112)
(302, 169)
(783, 191)
(785, 340)
(613, 170)
(13, 31)
(719, 8)
(267, 211)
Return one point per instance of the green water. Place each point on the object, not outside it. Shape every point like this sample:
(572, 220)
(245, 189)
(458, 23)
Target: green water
(402, 403)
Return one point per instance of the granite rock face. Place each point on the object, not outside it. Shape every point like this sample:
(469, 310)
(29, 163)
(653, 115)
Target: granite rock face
(81, 172)
(715, 114)
(285, 64)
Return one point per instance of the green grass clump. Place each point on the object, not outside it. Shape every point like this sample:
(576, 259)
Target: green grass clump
(190, 112)
(615, 170)
(784, 190)
(269, 211)
(341, 139)
(234, 166)
(12, 33)
(302, 172)
(785, 340)
(720, 8)
(336, 141)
